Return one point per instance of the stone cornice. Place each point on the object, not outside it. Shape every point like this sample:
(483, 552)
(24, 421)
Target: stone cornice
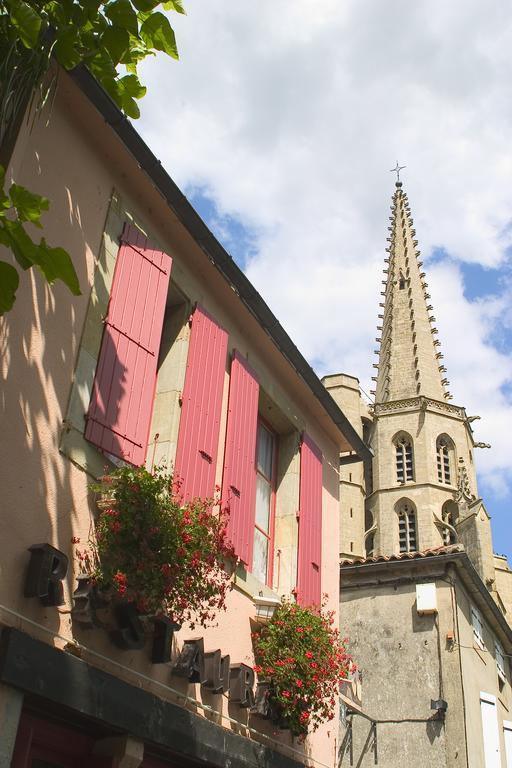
(420, 403)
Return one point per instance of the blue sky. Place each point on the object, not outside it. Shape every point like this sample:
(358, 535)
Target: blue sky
(281, 122)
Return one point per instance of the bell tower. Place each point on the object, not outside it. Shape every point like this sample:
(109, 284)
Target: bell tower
(422, 492)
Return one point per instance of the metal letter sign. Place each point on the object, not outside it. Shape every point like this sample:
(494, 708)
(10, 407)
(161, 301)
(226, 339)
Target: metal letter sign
(190, 663)
(163, 632)
(241, 685)
(46, 570)
(212, 670)
(216, 672)
(130, 634)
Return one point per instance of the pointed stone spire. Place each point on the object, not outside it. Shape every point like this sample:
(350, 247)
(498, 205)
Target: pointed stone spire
(409, 357)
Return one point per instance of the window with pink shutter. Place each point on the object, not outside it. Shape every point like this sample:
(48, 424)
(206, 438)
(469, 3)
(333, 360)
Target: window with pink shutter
(119, 415)
(309, 588)
(239, 478)
(266, 470)
(198, 439)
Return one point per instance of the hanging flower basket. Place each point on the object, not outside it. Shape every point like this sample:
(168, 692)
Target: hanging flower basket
(301, 659)
(167, 558)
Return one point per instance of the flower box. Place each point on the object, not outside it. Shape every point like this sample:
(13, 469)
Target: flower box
(302, 660)
(151, 550)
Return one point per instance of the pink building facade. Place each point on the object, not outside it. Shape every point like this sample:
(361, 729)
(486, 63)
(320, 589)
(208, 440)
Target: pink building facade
(169, 355)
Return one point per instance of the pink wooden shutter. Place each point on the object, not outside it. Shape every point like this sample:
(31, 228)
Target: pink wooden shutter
(310, 524)
(239, 481)
(121, 405)
(198, 439)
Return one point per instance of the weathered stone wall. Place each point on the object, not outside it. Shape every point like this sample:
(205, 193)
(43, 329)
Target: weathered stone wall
(345, 391)
(404, 662)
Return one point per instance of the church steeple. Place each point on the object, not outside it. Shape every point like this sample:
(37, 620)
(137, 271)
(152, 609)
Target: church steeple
(409, 354)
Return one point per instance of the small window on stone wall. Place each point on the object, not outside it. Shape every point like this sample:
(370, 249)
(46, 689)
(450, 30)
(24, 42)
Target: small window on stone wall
(478, 627)
(404, 459)
(407, 537)
(500, 661)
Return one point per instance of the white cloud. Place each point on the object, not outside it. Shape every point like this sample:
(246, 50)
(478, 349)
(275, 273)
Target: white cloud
(291, 114)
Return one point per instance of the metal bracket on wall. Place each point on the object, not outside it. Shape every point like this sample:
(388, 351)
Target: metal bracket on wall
(347, 745)
(369, 745)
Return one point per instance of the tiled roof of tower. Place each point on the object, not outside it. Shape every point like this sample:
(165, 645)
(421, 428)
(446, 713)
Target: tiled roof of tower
(409, 357)
(449, 549)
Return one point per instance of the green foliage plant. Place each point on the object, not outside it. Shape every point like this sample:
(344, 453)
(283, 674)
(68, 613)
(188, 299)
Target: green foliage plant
(167, 557)
(301, 654)
(111, 39)
(17, 207)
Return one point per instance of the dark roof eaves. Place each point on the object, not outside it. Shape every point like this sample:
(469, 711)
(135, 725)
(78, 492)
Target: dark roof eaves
(218, 255)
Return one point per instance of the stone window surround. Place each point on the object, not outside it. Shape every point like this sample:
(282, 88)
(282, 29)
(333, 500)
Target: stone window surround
(445, 457)
(404, 458)
(407, 526)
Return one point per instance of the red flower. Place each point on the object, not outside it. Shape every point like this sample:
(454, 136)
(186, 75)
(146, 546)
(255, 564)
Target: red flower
(154, 565)
(286, 694)
(308, 655)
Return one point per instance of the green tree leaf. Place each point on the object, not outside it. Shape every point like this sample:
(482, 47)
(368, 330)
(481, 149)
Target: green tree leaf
(27, 21)
(145, 5)
(66, 48)
(29, 206)
(174, 5)
(56, 264)
(157, 33)
(116, 40)
(9, 281)
(130, 107)
(130, 85)
(15, 237)
(121, 12)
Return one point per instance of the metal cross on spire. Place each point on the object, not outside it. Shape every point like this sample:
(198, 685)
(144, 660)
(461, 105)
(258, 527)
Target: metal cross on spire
(397, 170)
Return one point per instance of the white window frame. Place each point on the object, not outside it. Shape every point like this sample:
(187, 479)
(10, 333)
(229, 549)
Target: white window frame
(500, 661)
(507, 735)
(490, 731)
(478, 627)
